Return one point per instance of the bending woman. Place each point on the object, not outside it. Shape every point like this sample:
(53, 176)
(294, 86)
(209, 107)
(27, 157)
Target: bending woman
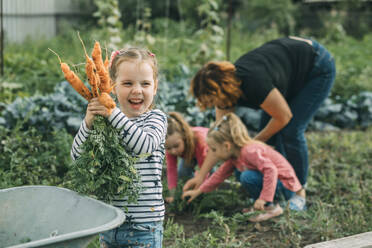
(288, 78)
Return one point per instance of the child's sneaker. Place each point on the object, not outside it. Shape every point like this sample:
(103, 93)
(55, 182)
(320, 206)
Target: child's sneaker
(270, 212)
(297, 203)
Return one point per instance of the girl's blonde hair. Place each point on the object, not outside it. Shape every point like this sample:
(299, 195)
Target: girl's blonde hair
(216, 80)
(134, 53)
(177, 124)
(230, 128)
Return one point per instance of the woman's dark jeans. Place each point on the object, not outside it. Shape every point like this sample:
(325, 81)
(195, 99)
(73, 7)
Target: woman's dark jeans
(290, 141)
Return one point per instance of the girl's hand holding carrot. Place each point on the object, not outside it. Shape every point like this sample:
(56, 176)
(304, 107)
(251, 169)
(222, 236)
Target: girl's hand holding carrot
(100, 101)
(95, 108)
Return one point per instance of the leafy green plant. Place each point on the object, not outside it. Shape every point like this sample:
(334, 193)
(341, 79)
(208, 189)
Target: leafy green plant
(29, 158)
(109, 15)
(104, 169)
(9, 90)
(60, 109)
(142, 36)
(210, 34)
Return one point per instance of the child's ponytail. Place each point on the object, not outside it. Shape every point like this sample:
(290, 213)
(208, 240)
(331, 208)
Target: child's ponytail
(230, 128)
(177, 124)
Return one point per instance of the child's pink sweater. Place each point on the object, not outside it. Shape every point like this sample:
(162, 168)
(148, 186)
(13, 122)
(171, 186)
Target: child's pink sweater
(263, 158)
(200, 152)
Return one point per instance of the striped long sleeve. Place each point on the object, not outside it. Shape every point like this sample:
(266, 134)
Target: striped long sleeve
(140, 139)
(79, 139)
(144, 134)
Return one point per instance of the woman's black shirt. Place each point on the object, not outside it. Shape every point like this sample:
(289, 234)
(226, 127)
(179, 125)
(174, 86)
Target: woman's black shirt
(283, 64)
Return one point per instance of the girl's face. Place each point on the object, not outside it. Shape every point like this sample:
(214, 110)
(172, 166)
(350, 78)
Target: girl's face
(135, 87)
(175, 144)
(222, 151)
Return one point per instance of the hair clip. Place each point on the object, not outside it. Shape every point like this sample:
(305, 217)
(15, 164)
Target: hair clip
(224, 118)
(113, 55)
(216, 128)
(151, 54)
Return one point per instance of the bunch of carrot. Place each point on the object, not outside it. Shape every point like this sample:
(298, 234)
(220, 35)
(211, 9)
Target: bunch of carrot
(104, 168)
(98, 77)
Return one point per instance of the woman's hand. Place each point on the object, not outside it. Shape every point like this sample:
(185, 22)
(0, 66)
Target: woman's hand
(259, 204)
(95, 108)
(277, 107)
(192, 194)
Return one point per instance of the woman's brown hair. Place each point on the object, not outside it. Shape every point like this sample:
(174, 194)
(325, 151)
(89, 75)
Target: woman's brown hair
(177, 124)
(216, 81)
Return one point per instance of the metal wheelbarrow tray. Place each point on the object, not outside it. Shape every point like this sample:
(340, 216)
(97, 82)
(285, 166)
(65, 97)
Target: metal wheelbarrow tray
(47, 216)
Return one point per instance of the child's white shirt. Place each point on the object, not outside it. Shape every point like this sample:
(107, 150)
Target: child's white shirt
(144, 134)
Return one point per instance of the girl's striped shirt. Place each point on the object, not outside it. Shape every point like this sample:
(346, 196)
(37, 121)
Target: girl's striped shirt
(144, 134)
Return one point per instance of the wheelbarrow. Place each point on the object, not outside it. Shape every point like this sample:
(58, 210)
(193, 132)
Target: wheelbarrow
(47, 216)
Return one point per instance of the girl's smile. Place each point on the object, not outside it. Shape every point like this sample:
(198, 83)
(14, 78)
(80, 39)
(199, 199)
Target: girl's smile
(136, 103)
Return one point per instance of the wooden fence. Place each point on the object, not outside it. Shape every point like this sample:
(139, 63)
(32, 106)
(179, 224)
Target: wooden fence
(39, 18)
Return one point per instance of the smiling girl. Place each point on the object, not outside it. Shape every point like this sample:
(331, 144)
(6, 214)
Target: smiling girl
(142, 130)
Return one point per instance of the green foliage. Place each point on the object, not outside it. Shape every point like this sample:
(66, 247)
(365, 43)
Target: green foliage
(28, 158)
(9, 91)
(210, 34)
(266, 14)
(109, 15)
(37, 70)
(337, 20)
(105, 170)
(174, 96)
(37, 73)
(352, 65)
(228, 196)
(61, 109)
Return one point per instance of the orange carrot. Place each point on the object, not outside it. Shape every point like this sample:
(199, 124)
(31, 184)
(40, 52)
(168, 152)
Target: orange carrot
(106, 63)
(91, 70)
(106, 100)
(105, 81)
(93, 78)
(74, 80)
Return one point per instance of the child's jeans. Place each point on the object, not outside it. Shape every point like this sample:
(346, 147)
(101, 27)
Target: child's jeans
(252, 182)
(129, 234)
(184, 171)
(188, 172)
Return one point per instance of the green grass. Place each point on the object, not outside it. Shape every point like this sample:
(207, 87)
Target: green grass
(339, 203)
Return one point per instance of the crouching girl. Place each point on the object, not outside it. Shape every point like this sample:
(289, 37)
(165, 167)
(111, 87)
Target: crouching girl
(185, 147)
(258, 165)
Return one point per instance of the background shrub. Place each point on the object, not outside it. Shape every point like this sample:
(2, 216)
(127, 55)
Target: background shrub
(29, 158)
